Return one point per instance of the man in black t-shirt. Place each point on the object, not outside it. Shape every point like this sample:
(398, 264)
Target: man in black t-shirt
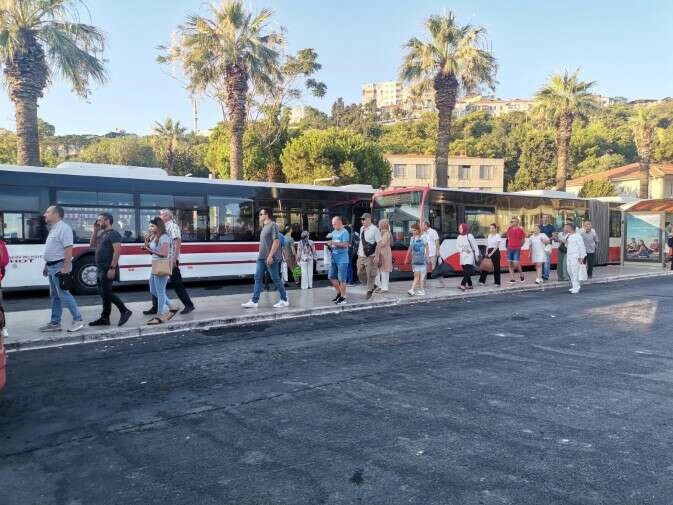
(107, 243)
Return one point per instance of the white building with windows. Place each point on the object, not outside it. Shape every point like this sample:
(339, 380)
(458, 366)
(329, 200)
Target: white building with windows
(484, 174)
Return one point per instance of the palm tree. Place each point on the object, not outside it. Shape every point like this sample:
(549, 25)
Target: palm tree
(559, 102)
(226, 54)
(37, 39)
(642, 125)
(452, 59)
(167, 135)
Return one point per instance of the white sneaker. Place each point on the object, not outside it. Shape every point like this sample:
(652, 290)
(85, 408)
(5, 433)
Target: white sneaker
(281, 304)
(420, 292)
(249, 305)
(76, 326)
(411, 292)
(538, 281)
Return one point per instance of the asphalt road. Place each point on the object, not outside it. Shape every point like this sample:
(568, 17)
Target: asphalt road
(533, 398)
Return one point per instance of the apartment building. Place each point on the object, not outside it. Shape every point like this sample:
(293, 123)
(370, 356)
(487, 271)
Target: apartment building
(482, 174)
(626, 180)
(385, 93)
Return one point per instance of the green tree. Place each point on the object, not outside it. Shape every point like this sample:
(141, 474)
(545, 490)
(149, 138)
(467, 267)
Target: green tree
(45, 130)
(596, 188)
(642, 124)
(189, 157)
(39, 38)
(453, 58)
(313, 118)
(341, 154)
(126, 150)
(261, 159)
(8, 148)
(225, 54)
(166, 139)
(362, 119)
(563, 98)
(664, 149)
(536, 163)
(410, 137)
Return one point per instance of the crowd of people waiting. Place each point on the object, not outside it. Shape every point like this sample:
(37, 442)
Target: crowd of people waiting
(365, 253)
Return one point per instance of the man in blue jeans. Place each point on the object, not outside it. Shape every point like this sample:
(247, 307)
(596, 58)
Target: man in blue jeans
(339, 266)
(270, 256)
(58, 261)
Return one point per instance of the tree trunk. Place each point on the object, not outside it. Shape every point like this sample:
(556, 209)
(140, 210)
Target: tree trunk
(237, 90)
(27, 137)
(644, 177)
(446, 91)
(170, 159)
(562, 147)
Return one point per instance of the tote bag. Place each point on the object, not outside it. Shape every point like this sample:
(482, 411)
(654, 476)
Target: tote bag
(584, 275)
(161, 267)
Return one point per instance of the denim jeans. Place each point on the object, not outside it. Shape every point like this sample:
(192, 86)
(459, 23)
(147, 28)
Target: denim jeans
(274, 273)
(60, 297)
(546, 268)
(158, 289)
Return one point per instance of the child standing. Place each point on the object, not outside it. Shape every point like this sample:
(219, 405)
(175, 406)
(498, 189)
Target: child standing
(418, 252)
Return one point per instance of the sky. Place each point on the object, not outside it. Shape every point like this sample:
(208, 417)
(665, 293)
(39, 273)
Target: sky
(623, 45)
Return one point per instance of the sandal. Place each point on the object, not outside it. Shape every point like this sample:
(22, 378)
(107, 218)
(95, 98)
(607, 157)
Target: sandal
(155, 320)
(171, 314)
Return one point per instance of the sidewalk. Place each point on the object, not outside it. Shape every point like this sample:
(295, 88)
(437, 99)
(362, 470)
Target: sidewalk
(225, 310)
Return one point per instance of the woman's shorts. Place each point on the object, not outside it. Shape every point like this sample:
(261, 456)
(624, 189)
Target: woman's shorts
(420, 268)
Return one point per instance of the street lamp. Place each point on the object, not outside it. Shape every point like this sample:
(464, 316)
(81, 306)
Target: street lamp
(332, 179)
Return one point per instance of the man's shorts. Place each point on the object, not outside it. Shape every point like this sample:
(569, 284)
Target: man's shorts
(513, 254)
(338, 271)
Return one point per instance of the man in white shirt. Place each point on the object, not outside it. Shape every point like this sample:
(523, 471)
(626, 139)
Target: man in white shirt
(575, 257)
(58, 261)
(432, 239)
(370, 236)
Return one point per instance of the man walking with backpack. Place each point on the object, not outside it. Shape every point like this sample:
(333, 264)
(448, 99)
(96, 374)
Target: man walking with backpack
(367, 267)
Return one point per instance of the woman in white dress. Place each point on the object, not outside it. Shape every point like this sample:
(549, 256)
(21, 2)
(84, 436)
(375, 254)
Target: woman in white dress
(538, 253)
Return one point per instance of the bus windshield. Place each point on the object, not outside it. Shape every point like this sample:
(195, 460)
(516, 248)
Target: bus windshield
(402, 210)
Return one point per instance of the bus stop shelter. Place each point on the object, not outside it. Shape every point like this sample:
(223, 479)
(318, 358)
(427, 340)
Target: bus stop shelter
(645, 234)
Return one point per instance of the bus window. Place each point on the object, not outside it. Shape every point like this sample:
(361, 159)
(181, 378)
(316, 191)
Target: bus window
(615, 223)
(402, 210)
(157, 201)
(230, 219)
(12, 224)
(479, 219)
(82, 219)
(18, 199)
(68, 197)
(193, 224)
(449, 222)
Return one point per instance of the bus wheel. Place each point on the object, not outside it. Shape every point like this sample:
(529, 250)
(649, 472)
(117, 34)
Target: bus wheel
(85, 273)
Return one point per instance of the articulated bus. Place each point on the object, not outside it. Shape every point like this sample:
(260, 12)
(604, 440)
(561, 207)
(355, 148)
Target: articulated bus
(444, 209)
(218, 218)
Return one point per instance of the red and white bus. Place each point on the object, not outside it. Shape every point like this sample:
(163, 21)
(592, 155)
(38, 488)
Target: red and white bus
(217, 218)
(444, 209)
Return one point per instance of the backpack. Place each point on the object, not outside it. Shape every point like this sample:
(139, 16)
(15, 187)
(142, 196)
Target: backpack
(4, 255)
(417, 251)
(354, 242)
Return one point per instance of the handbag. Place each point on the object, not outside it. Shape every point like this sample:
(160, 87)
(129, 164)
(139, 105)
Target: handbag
(584, 274)
(161, 267)
(486, 265)
(66, 281)
(547, 249)
(368, 248)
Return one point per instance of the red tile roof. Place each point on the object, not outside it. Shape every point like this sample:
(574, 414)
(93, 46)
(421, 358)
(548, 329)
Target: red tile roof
(626, 172)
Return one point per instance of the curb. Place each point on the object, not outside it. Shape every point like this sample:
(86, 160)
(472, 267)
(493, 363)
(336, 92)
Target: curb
(247, 320)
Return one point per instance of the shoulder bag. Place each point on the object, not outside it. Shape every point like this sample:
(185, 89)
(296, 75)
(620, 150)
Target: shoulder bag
(369, 248)
(161, 267)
